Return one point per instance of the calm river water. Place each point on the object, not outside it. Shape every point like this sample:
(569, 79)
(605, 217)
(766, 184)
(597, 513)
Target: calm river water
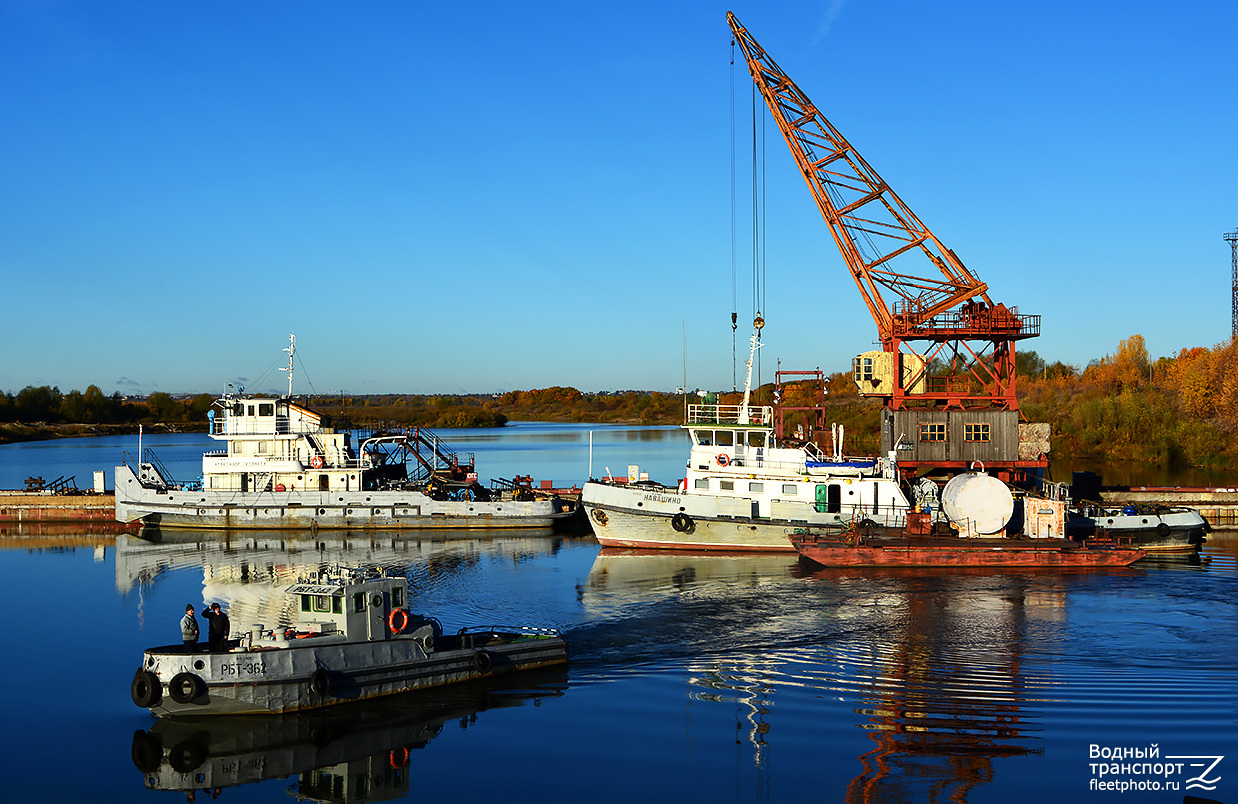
(693, 678)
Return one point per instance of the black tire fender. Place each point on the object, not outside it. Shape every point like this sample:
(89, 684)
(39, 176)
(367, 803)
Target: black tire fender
(185, 687)
(320, 682)
(683, 523)
(145, 689)
(1162, 530)
(483, 662)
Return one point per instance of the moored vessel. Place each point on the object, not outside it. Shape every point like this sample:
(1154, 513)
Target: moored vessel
(285, 467)
(353, 639)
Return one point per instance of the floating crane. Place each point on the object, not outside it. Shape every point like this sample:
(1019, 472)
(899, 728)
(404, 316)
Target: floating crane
(918, 292)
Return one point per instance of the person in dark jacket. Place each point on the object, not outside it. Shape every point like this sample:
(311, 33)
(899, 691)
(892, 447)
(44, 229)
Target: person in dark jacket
(189, 627)
(219, 626)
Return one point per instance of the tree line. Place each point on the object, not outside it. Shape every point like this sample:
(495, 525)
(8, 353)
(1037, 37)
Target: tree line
(1180, 410)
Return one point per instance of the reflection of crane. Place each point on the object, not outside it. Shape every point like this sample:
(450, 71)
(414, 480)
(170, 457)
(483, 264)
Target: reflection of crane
(932, 298)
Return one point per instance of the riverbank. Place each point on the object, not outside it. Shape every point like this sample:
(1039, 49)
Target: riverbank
(16, 432)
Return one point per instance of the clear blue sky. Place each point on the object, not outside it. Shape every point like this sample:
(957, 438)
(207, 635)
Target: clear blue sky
(492, 196)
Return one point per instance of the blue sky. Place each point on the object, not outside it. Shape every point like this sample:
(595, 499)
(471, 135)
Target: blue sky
(444, 198)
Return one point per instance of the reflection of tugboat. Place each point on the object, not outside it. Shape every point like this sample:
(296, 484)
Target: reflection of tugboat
(364, 750)
(285, 467)
(353, 639)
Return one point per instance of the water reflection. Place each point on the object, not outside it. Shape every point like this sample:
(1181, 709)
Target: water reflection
(930, 663)
(360, 752)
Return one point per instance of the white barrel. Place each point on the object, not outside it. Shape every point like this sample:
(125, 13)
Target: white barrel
(978, 504)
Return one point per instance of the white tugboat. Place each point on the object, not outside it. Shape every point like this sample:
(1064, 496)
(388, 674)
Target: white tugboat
(745, 489)
(353, 640)
(285, 468)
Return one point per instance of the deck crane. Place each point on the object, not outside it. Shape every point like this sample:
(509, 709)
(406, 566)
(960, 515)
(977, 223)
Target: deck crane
(918, 292)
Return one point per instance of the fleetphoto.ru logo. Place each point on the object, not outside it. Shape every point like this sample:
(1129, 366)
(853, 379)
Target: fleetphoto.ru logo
(1122, 769)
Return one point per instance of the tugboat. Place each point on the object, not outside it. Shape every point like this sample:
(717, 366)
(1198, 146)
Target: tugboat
(747, 488)
(284, 467)
(353, 639)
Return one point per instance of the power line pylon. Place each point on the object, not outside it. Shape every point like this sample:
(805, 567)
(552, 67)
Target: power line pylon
(1232, 239)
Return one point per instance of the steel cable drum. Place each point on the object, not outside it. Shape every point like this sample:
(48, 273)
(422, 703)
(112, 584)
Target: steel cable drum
(977, 503)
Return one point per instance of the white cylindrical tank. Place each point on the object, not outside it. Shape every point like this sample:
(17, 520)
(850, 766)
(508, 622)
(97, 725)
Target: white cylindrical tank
(980, 505)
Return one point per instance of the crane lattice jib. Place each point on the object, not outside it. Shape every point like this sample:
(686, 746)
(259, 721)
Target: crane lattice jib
(878, 235)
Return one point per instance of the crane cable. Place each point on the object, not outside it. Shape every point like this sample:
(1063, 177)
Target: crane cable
(734, 312)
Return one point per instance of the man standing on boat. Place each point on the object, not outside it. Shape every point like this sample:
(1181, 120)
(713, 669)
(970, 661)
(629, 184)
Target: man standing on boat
(189, 627)
(219, 626)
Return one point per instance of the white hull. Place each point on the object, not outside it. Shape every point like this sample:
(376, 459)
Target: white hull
(277, 681)
(296, 509)
(645, 517)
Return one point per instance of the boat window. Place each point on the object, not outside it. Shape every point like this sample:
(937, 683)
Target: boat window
(397, 597)
(305, 602)
(756, 487)
(238, 409)
(701, 483)
(358, 601)
(790, 488)
(756, 438)
(264, 447)
(251, 410)
(322, 603)
(725, 438)
(726, 485)
(704, 437)
(266, 409)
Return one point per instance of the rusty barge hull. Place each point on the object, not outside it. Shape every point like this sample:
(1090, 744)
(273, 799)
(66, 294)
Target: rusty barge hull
(960, 552)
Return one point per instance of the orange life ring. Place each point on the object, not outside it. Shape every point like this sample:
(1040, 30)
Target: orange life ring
(724, 459)
(391, 618)
(316, 461)
(279, 486)
(398, 758)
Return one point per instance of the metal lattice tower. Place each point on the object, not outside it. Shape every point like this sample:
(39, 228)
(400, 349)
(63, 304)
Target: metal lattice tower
(1232, 239)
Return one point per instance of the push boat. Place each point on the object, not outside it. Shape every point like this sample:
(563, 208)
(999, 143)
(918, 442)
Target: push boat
(284, 467)
(1157, 529)
(353, 639)
(747, 488)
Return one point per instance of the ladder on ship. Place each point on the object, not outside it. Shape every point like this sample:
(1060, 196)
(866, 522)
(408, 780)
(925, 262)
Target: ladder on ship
(436, 459)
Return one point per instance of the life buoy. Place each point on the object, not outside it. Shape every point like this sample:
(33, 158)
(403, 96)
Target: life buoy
(599, 516)
(724, 459)
(397, 621)
(186, 757)
(145, 690)
(682, 523)
(185, 687)
(316, 461)
(279, 486)
(482, 661)
(398, 758)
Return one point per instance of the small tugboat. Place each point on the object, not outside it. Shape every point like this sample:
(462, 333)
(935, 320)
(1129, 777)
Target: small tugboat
(285, 468)
(748, 488)
(1159, 529)
(353, 640)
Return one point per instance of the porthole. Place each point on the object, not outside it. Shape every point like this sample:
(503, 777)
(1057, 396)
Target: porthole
(199, 664)
(322, 510)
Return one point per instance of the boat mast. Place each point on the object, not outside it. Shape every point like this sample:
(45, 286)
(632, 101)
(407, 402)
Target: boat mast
(754, 344)
(292, 351)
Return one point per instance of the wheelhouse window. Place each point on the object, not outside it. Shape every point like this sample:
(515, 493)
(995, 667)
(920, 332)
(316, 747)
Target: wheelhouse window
(724, 438)
(322, 603)
(756, 438)
(266, 409)
(932, 431)
(397, 597)
(704, 438)
(701, 483)
(358, 601)
(978, 431)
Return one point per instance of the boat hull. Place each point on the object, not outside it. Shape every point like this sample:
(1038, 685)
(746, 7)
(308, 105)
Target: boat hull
(337, 510)
(284, 680)
(958, 552)
(1164, 532)
(665, 519)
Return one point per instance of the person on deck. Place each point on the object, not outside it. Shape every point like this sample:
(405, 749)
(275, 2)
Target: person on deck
(219, 626)
(189, 627)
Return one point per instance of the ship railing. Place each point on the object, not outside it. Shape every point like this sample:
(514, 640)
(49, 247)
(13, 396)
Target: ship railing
(253, 426)
(755, 415)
